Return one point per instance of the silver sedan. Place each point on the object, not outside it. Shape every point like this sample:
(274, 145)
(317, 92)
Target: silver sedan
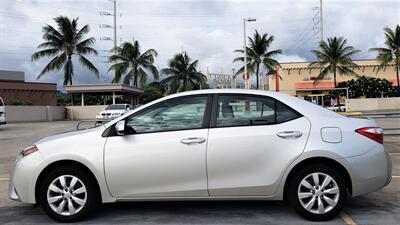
(208, 145)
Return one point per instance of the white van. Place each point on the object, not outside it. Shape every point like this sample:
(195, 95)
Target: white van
(2, 112)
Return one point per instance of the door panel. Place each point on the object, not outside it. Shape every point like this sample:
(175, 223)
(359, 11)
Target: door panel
(163, 151)
(157, 165)
(256, 139)
(250, 160)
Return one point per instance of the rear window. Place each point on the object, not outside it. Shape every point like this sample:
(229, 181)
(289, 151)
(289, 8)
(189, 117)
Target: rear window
(284, 113)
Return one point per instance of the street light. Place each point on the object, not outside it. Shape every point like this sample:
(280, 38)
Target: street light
(245, 50)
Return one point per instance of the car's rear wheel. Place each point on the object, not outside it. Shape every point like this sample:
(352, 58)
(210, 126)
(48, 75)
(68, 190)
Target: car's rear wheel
(317, 192)
(68, 194)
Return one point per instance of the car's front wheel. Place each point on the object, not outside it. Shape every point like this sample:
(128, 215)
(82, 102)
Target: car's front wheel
(317, 192)
(68, 194)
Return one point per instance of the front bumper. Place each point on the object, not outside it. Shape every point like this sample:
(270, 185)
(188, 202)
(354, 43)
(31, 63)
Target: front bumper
(23, 178)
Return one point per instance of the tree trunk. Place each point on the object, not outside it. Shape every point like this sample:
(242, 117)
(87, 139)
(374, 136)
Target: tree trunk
(70, 77)
(398, 80)
(135, 78)
(258, 69)
(336, 92)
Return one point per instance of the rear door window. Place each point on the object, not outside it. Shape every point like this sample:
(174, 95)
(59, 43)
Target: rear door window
(249, 110)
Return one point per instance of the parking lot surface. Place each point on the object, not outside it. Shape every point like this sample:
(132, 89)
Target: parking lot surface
(381, 207)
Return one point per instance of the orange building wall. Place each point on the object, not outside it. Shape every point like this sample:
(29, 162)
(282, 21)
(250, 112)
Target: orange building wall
(294, 76)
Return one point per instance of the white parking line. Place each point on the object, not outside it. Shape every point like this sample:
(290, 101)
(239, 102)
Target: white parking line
(4, 178)
(395, 176)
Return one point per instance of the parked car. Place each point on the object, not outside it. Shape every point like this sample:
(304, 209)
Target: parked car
(113, 111)
(336, 108)
(2, 112)
(209, 145)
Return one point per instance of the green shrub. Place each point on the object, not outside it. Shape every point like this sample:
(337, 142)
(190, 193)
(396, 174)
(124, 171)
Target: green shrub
(19, 102)
(369, 87)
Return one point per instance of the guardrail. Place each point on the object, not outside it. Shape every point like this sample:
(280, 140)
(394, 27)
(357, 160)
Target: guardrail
(96, 123)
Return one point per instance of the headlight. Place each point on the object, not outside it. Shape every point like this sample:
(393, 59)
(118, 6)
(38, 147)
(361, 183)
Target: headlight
(116, 114)
(29, 150)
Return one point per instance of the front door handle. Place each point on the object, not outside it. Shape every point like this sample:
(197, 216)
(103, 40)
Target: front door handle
(193, 140)
(289, 134)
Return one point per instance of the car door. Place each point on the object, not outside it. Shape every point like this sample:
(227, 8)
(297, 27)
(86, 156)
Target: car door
(252, 140)
(163, 151)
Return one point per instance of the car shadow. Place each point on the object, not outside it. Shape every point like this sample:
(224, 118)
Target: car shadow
(184, 212)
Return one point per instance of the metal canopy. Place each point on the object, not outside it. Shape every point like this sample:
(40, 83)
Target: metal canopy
(105, 89)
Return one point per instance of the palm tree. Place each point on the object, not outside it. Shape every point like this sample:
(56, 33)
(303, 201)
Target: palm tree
(333, 57)
(64, 42)
(182, 74)
(258, 54)
(128, 61)
(392, 51)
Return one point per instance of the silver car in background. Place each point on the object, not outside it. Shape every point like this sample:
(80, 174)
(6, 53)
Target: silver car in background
(113, 111)
(208, 145)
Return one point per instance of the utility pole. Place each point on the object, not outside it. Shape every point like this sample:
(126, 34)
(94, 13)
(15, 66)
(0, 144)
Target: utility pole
(247, 82)
(115, 23)
(321, 24)
(245, 54)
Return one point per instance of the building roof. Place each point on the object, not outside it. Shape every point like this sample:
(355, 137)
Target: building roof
(14, 76)
(103, 88)
(305, 65)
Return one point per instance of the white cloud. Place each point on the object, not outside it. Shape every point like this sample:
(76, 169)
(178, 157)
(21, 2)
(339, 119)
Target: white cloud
(208, 30)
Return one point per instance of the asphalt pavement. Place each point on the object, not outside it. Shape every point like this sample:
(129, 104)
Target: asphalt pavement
(381, 207)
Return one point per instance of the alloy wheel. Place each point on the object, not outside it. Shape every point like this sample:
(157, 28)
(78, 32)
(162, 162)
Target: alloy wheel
(66, 195)
(318, 193)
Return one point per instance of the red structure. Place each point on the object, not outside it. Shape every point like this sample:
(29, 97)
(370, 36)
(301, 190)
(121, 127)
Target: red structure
(13, 87)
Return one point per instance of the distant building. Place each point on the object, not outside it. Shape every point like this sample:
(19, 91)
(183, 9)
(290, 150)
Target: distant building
(298, 79)
(13, 87)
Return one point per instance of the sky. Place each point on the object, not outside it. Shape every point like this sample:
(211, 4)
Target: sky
(207, 30)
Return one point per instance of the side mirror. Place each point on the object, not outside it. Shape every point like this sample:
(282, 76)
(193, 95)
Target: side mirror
(120, 127)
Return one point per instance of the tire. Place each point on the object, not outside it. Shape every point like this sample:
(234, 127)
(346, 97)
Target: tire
(76, 199)
(332, 200)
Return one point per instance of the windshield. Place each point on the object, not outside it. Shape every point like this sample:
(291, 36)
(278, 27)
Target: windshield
(1, 102)
(116, 107)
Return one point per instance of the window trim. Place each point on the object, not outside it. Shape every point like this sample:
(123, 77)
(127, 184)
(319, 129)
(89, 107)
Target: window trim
(110, 132)
(213, 121)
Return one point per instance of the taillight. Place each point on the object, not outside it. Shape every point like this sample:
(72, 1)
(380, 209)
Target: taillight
(374, 133)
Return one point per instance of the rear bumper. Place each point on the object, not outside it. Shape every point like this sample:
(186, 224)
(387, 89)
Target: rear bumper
(12, 193)
(2, 120)
(371, 171)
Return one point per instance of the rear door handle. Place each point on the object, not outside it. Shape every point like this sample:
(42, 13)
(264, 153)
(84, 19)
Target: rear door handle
(289, 134)
(193, 140)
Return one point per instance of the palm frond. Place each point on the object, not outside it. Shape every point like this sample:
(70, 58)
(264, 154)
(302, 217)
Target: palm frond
(44, 53)
(55, 64)
(86, 63)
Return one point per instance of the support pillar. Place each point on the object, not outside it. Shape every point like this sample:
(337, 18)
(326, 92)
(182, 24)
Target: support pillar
(113, 96)
(277, 78)
(82, 99)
